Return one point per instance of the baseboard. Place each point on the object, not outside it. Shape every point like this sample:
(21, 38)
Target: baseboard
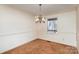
(15, 46)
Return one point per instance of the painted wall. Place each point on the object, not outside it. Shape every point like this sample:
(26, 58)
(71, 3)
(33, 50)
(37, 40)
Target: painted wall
(66, 29)
(77, 27)
(16, 28)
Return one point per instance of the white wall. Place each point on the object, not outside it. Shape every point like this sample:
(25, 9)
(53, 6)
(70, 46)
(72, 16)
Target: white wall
(77, 27)
(66, 29)
(16, 27)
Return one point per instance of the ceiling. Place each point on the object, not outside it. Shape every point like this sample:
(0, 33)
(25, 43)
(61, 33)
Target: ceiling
(46, 8)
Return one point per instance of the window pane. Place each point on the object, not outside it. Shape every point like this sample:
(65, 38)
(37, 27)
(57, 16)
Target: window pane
(52, 26)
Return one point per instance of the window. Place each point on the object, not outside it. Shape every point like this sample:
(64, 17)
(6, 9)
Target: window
(52, 26)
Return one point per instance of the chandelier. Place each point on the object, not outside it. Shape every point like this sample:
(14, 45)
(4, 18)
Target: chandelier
(40, 18)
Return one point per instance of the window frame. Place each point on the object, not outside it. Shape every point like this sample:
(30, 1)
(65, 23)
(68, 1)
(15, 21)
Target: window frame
(54, 24)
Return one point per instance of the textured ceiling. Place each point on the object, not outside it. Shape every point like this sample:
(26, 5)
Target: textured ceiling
(46, 8)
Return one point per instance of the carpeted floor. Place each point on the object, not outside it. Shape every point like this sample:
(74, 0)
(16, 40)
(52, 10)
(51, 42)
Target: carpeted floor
(40, 46)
